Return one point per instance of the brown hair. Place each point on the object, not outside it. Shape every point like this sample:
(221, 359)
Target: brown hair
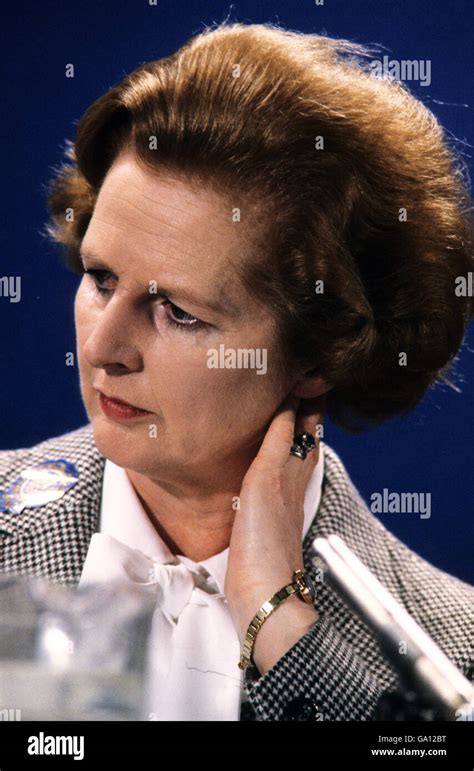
(335, 154)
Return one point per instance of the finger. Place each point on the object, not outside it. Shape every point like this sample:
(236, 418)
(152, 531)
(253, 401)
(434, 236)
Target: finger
(309, 419)
(278, 439)
(310, 416)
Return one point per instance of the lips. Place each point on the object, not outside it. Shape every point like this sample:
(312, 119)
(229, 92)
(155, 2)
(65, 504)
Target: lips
(121, 401)
(120, 410)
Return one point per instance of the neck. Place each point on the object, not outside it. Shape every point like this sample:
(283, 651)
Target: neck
(195, 521)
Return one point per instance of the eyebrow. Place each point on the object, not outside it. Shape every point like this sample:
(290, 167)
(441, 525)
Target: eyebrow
(183, 293)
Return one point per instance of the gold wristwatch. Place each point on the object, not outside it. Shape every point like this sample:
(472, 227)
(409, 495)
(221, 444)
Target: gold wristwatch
(301, 585)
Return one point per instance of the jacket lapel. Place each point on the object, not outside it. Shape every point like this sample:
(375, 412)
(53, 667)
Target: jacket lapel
(52, 540)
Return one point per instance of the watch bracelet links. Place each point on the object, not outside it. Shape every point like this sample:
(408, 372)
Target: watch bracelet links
(257, 622)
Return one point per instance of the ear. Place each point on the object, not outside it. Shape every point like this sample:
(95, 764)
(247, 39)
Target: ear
(309, 385)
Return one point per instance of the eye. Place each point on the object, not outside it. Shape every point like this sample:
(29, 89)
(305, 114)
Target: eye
(100, 277)
(177, 317)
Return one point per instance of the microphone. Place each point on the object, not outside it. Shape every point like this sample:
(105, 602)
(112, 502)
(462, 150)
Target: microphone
(428, 677)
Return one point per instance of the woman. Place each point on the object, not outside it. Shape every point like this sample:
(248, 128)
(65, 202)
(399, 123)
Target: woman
(255, 204)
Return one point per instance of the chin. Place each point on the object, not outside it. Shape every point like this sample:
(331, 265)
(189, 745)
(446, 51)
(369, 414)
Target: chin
(125, 444)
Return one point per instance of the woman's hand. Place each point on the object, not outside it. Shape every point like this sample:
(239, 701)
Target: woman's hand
(266, 541)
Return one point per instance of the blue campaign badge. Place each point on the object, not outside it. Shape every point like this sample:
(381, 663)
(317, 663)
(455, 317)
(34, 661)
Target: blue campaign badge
(38, 485)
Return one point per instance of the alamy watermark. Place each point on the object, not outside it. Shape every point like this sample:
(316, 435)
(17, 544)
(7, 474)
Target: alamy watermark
(10, 714)
(465, 285)
(237, 358)
(401, 503)
(43, 744)
(10, 286)
(402, 69)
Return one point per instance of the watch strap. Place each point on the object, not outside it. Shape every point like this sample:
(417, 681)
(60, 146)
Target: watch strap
(298, 587)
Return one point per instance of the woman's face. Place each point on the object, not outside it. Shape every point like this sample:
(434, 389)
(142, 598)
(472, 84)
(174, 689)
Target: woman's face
(169, 257)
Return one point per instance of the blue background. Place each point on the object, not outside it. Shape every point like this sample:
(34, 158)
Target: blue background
(428, 451)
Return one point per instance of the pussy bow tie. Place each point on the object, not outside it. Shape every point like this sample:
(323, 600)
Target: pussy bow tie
(171, 584)
(194, 648)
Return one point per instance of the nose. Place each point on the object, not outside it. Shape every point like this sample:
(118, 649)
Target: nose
(111, 343)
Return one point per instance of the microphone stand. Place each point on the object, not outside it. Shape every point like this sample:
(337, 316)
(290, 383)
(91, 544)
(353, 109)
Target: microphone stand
(431, 686)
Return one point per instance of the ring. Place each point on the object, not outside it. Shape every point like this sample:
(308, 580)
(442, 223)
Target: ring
(302, 445)
(307, 440)
(298, 451)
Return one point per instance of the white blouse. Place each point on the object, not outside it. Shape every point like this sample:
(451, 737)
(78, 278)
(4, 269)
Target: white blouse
(194, 647)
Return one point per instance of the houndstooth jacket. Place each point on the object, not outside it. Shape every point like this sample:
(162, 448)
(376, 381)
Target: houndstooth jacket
(336, 671)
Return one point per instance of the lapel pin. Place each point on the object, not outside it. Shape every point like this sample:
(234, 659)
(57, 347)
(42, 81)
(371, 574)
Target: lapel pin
(38, 485)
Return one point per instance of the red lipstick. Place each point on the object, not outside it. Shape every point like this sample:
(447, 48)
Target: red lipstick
(118, 410)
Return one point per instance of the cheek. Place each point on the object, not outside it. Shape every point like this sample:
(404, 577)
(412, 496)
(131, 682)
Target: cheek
(179, 367)
(84, 323)
(227, 398)
(81, 315)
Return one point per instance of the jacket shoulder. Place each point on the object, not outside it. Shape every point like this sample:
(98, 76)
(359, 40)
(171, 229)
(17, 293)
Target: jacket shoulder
(351, 515)
(441, 603)
(76, 446)
(51, 539)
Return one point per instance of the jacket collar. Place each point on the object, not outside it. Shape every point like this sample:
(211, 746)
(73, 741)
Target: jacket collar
(67, 525)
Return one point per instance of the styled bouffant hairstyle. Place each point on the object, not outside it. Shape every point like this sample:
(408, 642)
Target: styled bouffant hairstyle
(367, 213)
